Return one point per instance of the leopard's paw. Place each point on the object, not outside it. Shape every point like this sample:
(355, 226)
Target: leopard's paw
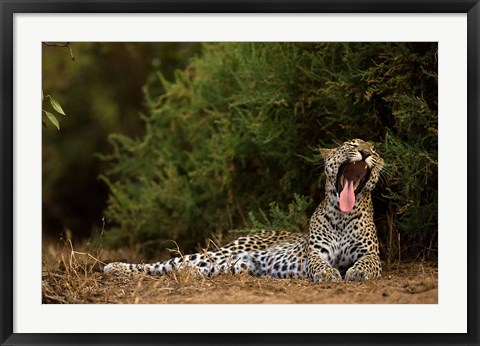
(328, 274)
(357, 274)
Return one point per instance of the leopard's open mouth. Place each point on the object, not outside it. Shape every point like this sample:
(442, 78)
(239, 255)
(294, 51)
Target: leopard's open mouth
(351, 179)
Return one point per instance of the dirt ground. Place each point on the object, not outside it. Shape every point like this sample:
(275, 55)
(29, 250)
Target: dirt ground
(412, 283)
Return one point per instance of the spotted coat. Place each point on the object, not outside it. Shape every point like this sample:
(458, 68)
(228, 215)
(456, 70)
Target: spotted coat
(341, 242)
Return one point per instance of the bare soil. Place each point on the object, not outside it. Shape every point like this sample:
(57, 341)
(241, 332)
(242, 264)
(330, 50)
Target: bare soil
(412, 283)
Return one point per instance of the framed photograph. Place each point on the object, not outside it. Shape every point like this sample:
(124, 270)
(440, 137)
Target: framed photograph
(239, 172)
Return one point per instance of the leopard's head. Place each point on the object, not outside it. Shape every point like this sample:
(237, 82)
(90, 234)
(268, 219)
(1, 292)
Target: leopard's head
(352, 170)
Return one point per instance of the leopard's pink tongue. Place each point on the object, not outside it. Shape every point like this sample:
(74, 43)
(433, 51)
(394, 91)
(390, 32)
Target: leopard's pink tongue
(347, 196)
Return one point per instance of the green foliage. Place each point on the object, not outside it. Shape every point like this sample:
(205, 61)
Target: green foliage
(412, 191)
(102, 93)
(239, 130)
(294, 219)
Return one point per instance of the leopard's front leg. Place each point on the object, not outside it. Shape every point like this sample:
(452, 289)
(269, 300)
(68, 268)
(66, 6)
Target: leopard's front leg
(319, 253)
(366, 268)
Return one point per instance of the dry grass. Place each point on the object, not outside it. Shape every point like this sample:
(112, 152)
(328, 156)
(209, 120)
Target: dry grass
(76, 278)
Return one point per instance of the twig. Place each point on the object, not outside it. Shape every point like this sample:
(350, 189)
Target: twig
(61, 45)
(399, 250)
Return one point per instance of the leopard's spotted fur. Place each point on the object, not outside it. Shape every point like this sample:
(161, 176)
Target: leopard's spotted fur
(339, 243)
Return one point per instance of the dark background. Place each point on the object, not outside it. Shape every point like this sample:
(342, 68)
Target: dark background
(101, 92)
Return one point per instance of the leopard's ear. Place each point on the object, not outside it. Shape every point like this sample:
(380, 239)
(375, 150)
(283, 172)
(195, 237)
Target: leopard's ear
(326, 152)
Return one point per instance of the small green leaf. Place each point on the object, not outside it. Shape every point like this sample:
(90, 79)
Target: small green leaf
(56, 105)
(43, 96)
(52, 119)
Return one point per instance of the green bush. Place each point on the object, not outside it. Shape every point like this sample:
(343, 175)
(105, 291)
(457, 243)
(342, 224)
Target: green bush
(240, 127)
(101, 92)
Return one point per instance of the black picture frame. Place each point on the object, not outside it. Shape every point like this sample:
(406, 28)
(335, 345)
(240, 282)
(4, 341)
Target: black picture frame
(10, 7)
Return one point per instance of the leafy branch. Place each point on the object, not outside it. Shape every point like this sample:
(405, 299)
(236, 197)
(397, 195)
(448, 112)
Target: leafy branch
(48, 98)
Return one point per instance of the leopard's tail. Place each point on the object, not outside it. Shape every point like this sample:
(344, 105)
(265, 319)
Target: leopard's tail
(209, 263)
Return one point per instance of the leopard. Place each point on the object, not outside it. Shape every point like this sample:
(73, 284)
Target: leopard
(341, 242)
